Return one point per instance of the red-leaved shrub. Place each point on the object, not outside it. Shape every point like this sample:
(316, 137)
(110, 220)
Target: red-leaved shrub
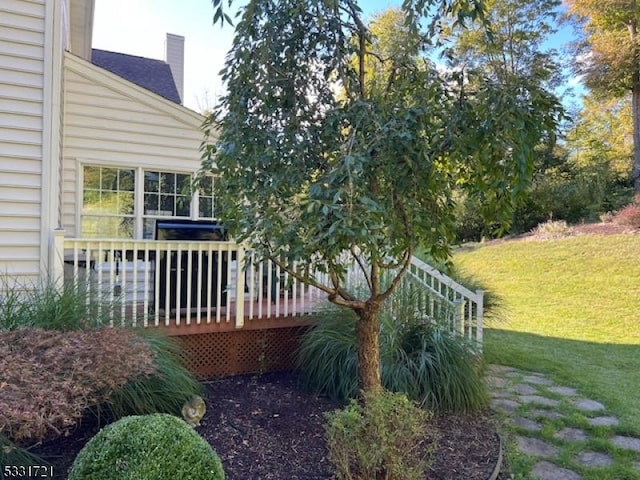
(629, 216)
(49, 378)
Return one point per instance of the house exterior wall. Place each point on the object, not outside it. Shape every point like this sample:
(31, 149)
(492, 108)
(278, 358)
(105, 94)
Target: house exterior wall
(32, 38)
(112, 122)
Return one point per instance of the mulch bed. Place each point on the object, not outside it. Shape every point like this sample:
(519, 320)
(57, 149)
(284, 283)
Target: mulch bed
(265, 427)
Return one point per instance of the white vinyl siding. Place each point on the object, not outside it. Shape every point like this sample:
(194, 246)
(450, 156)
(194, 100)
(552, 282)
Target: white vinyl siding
(22, 65)
(113, 123)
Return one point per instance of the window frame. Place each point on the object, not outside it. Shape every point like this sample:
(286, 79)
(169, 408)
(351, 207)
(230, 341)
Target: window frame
(139, 215)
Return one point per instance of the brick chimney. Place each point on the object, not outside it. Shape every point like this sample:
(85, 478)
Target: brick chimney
(174, 56)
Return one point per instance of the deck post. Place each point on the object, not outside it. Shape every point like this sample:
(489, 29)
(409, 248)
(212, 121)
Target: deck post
(57, 258)
(479, 317)
(240, 287)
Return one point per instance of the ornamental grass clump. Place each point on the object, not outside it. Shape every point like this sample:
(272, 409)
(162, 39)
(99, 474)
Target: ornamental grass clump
(48, 306)
(420, 356)
(385, 437)
(158, 446)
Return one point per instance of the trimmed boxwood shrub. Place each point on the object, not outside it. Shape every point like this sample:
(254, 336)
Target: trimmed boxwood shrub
(158, 446)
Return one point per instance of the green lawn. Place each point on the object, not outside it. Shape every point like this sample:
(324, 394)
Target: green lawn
(571, 309)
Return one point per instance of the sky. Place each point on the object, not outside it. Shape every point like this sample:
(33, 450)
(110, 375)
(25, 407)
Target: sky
(139, 27)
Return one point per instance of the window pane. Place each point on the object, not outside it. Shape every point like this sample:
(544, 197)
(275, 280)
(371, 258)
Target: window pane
(91, 178)
(109, 203)
(151, 204)
(183, 206)
(109, 180)
(167, 183)
(125, 203)
(206, 186)
(149, 228)
(91, 201)
(151, 182)
(167, 205)
(206, 207)
(106, 227)
(127, 180)
(183, 185)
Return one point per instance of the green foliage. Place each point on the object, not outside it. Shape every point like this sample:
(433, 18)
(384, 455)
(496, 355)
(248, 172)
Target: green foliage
(48, 306)
(370, 168)
(157, 446)
(384, 437)
(317, 158)
(419, 357)
(164, 391)
(13, 454)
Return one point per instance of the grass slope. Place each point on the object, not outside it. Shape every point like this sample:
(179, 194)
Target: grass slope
(571, 309)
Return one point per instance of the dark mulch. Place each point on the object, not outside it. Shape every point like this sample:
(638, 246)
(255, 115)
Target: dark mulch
(266, 427)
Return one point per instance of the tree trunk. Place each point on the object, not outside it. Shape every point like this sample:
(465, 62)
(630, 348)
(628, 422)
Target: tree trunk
(368, 344)
(635, 103)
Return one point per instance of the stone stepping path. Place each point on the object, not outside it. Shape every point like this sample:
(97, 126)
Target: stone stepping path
(532, 402)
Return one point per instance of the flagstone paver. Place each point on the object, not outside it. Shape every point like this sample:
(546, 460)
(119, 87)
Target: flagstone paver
(603, 421)
(571, 434)
(628, 443)
(565, 391)
(504, 404)
(527, 424)
(524, 389)
(594, 459)
(537, 447)
(587, 405)
(550, 471)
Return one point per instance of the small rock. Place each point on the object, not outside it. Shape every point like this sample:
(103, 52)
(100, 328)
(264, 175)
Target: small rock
(594, 459)
(550, 471)
(603, 421)
(565, 391)
(539, 399)
(537, 380)
(535, 446)
(587, 405)
(571, 434)
(628, 443)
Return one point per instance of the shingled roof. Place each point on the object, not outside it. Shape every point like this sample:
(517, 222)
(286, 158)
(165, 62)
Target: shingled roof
(154, 75)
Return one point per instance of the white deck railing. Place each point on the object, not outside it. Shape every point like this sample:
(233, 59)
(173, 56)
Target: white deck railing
(158, 282)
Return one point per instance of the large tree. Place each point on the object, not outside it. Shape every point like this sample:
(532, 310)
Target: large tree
(608, 55)
(318, 159)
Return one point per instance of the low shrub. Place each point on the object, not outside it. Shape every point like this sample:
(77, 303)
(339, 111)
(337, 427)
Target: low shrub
(50, 378)
(384, 437)
(552, 229)
(629, 216)
(157, 446)
(419, 356)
